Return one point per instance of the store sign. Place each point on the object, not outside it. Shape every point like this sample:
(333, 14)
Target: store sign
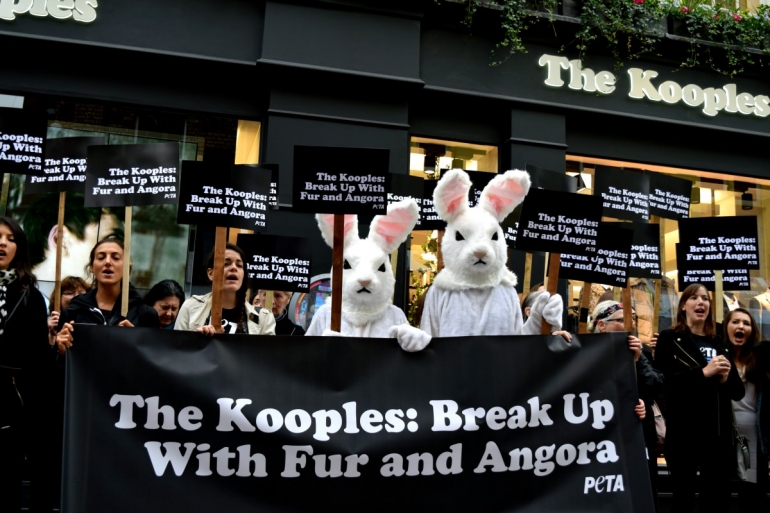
(710, 100)
(83, 11)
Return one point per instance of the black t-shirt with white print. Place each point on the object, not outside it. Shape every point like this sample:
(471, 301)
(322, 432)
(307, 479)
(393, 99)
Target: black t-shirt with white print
(230, 318)
(705, 346)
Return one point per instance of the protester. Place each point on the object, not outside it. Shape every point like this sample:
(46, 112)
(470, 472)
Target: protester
(238, 316)
(102, 304)
(700, 383)
(166, 297)
(283, 325)
(608, 317)
(742, 332)
(71, 287)
(26, 377)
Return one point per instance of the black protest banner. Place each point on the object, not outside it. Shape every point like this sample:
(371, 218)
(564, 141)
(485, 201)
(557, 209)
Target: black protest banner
(234, 423)
(607, 263)
(429, 218)
(403, 187)
(64, 167)
(22, 141)
(669, 196)
(479, 180)
(334, 180)
(543, 179)
(559, 222)
(277, 263)
(222, 195)
(624, 193)
(275, 176)
(732, 279)
(719, 243)
(132, 174)
(645, 251)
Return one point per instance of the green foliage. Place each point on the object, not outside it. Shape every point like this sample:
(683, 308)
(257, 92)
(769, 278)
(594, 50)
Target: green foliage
(720, 36)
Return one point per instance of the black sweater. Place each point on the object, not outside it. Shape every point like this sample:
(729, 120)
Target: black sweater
(84, 309)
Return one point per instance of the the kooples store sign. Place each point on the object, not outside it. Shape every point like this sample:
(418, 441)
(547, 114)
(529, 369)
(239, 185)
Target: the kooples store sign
(83, 11)
(710, 100)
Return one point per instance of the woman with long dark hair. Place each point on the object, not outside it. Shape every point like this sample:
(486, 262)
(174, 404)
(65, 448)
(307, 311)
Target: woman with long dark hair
(27, 372)
(238, 316)
(102, 304)
(700, 382)
(742, 332)
(166, 297)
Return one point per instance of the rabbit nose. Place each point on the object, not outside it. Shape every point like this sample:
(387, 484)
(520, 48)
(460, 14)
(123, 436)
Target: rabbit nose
(364, 283)
(479, 254)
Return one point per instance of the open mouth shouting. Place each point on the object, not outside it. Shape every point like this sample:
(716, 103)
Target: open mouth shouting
(232, 278)
(700, 311)
(739, 335)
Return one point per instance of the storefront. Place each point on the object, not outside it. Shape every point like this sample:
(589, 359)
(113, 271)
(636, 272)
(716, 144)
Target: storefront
(245, 82)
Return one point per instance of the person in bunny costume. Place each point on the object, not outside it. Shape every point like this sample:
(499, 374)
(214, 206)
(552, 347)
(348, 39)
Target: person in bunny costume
(368, 281)
(474, 294)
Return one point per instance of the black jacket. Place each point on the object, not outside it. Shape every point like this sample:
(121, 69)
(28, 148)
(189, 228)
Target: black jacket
(650, 382)
(698, 409)
(84, 309)
(27, 363)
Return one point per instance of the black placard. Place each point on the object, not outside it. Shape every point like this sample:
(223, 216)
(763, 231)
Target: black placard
(719, 242)
(239, 423)
(645, 251)
(64, 166)
(132, 174)
(479, 180)
(22, 141)
(274, 184)
(559, 222)
(543, 179)
(275, 262)
(607, 265)
(429, 218)
(407, 186)
(624, 193)
(332, 180)
(669, 196)
(552, 180)
(217, 195)
(732, 279)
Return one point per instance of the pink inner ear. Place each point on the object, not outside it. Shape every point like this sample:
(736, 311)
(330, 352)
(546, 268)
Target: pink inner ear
(501, 197)
(454, 195)
(497, 202)
(389, 230)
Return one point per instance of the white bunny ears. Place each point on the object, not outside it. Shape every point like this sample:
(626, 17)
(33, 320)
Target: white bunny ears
(501, 195)
(387, 231)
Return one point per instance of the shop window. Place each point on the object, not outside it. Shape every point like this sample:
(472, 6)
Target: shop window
(713, 195)
(159, 246)
(428, 159)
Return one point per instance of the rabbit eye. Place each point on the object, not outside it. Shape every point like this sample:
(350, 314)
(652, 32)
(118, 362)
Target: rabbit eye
(382, 268)
(494, 236)
(459, 236)
(346, 265)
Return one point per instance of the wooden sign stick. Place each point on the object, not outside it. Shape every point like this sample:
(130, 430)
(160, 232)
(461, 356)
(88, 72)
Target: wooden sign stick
(527, 284)
(337, 258)
(59, 240)
(718, 299)
(585, 302)
(220, 242)
(628, 322)
(126, 261)
(553, 283)
(268, 300)
(656, 306)
(439, 254)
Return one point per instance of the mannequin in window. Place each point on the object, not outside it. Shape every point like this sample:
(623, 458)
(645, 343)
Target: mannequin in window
(730, 302)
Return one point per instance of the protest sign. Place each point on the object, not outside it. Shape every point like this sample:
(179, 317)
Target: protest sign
(64, 167)
(728, 242)
(277, 263)
(669, 196)
(732, 279)
(330, 180)
(236, 423)
(559, 222)
(216, 195)
(22, 141)
(132, 174)
(645, 251)
(624, 193)
(606, 263)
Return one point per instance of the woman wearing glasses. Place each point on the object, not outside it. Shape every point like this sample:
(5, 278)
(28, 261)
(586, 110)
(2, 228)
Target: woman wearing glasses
(608, 317)
(701, 381)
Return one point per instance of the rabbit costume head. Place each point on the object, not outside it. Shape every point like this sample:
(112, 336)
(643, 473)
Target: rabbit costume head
(368, 282)
(473, 245)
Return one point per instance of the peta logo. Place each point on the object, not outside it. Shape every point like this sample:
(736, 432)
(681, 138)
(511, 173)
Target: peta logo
(603, 484)
(83, 11)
